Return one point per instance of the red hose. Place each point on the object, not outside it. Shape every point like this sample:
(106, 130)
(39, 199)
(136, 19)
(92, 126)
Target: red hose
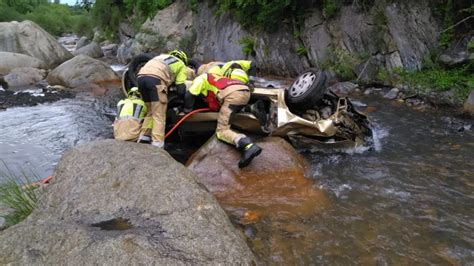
(184, 118)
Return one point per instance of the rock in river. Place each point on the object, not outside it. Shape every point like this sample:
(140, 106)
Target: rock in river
(28, 38)
(10, 61)
(81, 70)
(114, 203)
(271, 195)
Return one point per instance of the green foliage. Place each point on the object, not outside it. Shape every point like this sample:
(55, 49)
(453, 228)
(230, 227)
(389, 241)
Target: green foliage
(193, 4)
(301, 51)
(470, 45)
(145, 8)
(342, 63)
(8, 13)
(460, 80)
(330, 7)
(247, 45)
(268, 15)
(23, 6)
(19, 198)
(54, 18)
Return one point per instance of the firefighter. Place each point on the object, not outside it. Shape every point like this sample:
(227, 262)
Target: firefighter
(229, 96)
(130, 114)
(154, 79)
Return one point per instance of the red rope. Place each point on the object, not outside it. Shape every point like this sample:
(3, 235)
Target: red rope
(184, 118)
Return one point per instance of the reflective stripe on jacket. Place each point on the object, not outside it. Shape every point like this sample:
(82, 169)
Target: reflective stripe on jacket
(131, 108)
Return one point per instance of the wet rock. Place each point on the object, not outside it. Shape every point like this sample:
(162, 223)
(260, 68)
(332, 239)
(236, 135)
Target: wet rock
(31, 96)
(392, 94)
(83, 41)
(110, 49)
(127, 50)
(445, 98)
(344, 87)
(28, 38)
(10, 61)
(148, 210)
(273, 183)
(81, 70)
(469, 104)
(24, 76)
(454, 59)
(92, 49)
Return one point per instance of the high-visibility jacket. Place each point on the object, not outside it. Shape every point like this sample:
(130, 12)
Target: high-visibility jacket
(130, 115)
(244, 65)
(167, 68)
(209, 85)
(131, 108)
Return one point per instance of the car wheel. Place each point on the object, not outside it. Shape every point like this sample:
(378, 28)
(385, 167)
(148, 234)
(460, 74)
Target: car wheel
(306, 90)
(137, 62)
(126, 83)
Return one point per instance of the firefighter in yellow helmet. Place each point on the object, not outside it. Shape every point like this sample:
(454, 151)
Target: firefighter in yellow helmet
(153, 80)
(228, 95)
(224, 69)
(130, 114)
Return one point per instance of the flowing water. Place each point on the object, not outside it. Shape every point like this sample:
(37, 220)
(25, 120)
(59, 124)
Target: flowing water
(32, 139)
(410, 200)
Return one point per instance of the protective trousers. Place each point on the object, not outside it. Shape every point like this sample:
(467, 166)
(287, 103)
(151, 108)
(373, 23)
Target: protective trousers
(230, 103)
(154, 94)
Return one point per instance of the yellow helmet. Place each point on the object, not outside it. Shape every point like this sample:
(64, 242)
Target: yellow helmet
(134, 92)
(181, 55)
(240, 75)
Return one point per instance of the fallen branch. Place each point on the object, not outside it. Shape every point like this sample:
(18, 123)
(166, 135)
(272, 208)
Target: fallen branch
(448, 28)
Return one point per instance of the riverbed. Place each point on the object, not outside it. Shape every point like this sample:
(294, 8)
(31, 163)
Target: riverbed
(408, 200)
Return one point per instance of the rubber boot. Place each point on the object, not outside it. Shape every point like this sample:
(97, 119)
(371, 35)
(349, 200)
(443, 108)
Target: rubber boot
(248, 150)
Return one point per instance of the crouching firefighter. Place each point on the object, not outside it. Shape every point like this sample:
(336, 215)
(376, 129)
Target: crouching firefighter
(229, 96)
(130, 114)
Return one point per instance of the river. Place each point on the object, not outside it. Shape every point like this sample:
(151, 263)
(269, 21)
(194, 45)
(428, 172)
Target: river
(410, 200)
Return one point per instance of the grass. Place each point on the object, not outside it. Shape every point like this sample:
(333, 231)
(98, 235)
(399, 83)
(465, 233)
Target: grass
(459, 80)
(16, 196)
(247, 45)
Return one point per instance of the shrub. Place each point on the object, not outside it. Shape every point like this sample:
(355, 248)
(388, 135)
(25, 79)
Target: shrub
(9, 14)
(460, 80)
(247, 46)
(330, 7)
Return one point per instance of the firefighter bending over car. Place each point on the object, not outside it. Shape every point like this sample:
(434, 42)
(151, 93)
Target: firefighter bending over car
(154, 79)
(224, 69)
(228, 95)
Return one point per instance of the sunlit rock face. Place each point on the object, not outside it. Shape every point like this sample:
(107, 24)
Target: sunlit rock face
(115, 202)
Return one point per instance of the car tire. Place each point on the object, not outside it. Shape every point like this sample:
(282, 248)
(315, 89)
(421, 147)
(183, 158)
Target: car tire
(135, 65)
(306, 90)
(126, 83)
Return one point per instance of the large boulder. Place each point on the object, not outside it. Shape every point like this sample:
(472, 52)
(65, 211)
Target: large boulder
(105, 207)
(30, 39)
(92, 49)
(272, 194)
(81, 70)
(10, 61)
(24, 76)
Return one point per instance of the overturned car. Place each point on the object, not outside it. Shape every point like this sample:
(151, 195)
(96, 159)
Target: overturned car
(307, 113)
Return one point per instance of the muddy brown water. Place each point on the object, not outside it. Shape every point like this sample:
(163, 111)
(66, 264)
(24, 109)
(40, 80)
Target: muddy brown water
(408, 201)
